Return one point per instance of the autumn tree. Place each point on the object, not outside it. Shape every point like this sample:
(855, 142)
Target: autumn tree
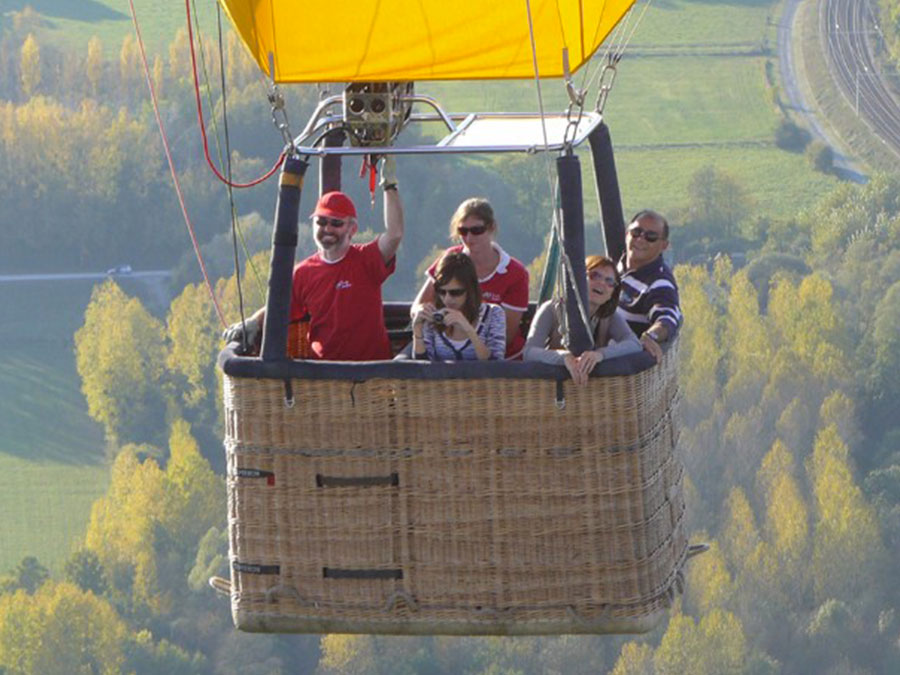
(121, 530)
(30, 66)
(120, 352)
(701, 349)
(787, 519)
(130, 67)
(58, 631)
(715, 646)
(193, 332)
(796, 426)
(635, 659)
(147, 527)
(194, 499)
(740, 532)
(94, 65)
(709, 580)
(883, 368)
(847, 547)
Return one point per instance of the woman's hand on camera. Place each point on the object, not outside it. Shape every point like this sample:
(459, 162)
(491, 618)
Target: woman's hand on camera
(423, 313)
(453, 317)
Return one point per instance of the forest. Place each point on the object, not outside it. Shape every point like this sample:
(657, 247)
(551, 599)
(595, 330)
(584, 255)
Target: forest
(889, 13)
(789, 361)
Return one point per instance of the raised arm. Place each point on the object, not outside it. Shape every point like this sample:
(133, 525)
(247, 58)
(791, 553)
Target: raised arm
(389, 240)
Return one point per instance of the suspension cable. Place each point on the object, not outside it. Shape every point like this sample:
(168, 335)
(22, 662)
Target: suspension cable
(234, 223)
(168, 153)
(257, 181)
(615, 50)
(557, 219)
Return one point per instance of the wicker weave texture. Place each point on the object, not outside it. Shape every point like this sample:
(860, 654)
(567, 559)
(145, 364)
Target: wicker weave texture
(457, 506)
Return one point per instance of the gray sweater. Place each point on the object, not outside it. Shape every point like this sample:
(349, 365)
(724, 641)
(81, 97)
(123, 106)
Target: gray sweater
(544, 338)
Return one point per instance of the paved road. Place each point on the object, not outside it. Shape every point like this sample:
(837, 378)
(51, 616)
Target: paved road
(787, 30)
(149, 274)
(851, 30)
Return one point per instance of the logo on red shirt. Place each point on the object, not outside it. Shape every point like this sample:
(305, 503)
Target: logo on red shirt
(342, 284)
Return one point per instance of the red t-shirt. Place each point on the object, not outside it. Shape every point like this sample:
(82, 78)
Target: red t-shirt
(343, 300)
(506, 286)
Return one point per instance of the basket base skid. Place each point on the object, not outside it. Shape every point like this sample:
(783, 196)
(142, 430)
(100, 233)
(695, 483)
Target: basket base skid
(273, 623)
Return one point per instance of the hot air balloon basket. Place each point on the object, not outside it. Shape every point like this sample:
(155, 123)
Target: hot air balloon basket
(491, 506)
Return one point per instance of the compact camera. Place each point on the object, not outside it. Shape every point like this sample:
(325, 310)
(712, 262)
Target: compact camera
(438, 316)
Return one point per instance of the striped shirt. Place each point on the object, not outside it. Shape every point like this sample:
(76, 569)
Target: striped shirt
(650, 294)
(491, 328)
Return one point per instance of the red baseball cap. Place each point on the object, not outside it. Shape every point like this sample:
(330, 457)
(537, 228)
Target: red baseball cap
(335, 205)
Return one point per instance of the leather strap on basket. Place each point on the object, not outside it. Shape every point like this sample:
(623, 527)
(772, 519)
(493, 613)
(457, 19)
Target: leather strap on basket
(343, 573)
(392, 480)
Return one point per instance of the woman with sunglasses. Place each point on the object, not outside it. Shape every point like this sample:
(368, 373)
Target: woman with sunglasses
(458, 326)
(610, 331)
(503, 279)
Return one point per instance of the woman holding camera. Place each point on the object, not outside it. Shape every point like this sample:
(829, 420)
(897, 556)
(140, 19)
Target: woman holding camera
(458, 326)
(503, 279)
(610, 331)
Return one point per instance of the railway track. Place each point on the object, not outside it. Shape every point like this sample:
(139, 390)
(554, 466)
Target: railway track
(850, 28)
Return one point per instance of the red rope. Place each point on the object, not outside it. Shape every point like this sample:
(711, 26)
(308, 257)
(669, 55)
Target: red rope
(187, 7)
(168, 152)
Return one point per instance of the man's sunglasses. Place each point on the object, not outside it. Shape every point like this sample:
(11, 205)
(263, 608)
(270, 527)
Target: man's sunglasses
(452, 292)
(336, 223)
(594, 275)
(477, 229)
(648, 235)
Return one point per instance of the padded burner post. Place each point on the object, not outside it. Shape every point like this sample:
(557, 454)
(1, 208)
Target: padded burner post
(569, 170)
(608, 189)
(281, 266)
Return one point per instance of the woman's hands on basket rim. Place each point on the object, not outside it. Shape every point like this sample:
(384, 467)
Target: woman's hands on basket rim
(580, 367)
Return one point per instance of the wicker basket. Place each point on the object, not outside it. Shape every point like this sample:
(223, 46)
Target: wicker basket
(459, 506)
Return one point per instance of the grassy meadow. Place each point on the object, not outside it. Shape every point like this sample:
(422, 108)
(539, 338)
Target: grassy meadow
(52, 463)
(691, 92)
(52, 454)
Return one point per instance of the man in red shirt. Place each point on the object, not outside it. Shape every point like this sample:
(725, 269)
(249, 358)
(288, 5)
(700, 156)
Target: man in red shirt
(339, 286)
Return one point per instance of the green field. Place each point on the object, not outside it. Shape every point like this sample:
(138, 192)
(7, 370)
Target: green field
(72, 24)
(51, 453)
(691, 92)
(46, 506)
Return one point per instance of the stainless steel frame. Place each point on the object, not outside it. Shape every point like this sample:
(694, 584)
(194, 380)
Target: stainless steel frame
(458, 125)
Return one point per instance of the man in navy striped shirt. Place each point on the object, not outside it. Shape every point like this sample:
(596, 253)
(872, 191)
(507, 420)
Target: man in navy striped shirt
(649, 297)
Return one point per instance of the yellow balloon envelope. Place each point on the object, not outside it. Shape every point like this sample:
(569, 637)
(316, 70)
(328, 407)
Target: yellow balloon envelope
(394, 40)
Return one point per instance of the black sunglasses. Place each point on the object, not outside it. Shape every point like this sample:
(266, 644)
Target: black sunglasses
(452, 292)
(477, 229)
(649, 236)
(336, 223)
